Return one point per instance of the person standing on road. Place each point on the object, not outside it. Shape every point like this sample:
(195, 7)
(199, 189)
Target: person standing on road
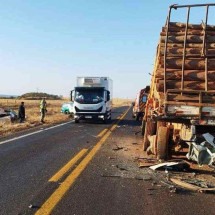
(21, 112)
(43, 109)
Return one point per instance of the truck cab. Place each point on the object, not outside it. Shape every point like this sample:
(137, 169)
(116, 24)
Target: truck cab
(139, 103)
(92, 99)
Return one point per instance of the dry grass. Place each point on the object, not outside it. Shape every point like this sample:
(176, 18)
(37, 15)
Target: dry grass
(53, 116)
(118, 102)
(32, 114)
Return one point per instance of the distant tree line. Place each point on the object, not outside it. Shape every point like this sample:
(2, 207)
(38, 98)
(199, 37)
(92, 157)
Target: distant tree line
(38, 96)
(8, 97)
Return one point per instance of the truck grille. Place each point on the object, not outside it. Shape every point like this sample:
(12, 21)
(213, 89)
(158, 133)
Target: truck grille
(92, 111)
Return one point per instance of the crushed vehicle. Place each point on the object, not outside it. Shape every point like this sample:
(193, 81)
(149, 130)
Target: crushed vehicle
(139, 103)
(67, 108)
(2, 113)
(203, 152)
(180, 107)
(8, 113)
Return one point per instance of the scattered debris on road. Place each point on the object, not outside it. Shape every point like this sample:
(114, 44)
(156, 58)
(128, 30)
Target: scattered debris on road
(202, 151)
(142, 162)
(111, 176)
(176, 166)
(117, 148)
(191, 186)
(137, 132)
(120, 167)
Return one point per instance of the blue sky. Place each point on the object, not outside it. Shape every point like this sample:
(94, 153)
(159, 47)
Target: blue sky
(46, 44)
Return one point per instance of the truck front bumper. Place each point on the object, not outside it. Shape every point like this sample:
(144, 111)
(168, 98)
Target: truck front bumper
(89, 116)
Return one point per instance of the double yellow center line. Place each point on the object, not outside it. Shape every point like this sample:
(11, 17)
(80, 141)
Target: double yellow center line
(58, 194)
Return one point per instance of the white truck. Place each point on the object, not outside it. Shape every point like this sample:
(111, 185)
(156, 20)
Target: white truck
(92, 98)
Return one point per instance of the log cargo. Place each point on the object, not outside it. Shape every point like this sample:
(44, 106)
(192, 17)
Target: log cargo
(182, 89)
(180, 25)
(188, 45)
(190, 52)
(176, 32)
(190, 64)
(210, 99)
(188, 85)
(190, 39)
(199, 71)
(189, 75)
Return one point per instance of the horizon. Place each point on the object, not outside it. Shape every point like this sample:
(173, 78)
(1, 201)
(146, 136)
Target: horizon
(46, 45)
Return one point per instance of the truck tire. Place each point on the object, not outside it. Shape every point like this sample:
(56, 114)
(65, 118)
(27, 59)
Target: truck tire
(150, 129)
(162, 142)
(143, 127)
(137, 117)
(76, 120)
(105, 119)
(109, 116)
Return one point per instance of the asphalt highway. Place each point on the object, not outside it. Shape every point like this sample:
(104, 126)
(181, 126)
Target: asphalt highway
(86, 168)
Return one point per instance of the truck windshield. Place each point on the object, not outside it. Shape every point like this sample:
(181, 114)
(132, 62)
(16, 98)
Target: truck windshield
(89, 96)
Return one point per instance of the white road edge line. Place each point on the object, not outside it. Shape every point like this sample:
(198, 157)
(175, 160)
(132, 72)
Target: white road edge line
(36, 132)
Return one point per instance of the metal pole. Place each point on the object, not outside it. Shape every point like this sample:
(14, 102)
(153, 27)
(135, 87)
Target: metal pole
(204, 49)
(184, 51)
(191, 5)
(165, 49)
(205, 31)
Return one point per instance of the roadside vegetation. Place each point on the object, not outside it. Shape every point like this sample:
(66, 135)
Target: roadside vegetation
(32, 114)
(54, 115)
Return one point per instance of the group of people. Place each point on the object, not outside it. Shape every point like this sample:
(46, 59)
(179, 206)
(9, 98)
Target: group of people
(43, 110)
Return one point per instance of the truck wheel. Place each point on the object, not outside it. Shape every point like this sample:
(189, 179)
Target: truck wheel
(143, 127)
(150, 129)
(109, 116)
(137, 117)
(145, 138)
(162, 142)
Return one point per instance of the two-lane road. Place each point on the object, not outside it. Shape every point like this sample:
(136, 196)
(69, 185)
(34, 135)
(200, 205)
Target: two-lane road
(28, 162)
(87, 168)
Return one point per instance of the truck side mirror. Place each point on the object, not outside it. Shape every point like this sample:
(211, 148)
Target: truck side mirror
(108, 96)
(72, 95)
(132, 103)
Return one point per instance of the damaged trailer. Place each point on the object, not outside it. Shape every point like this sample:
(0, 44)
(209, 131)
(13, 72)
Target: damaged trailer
(181, 103)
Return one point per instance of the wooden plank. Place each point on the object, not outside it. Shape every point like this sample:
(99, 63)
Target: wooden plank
(189, 186)
(212, 92)
(189, 104)
(185, 184)
(186, 98)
